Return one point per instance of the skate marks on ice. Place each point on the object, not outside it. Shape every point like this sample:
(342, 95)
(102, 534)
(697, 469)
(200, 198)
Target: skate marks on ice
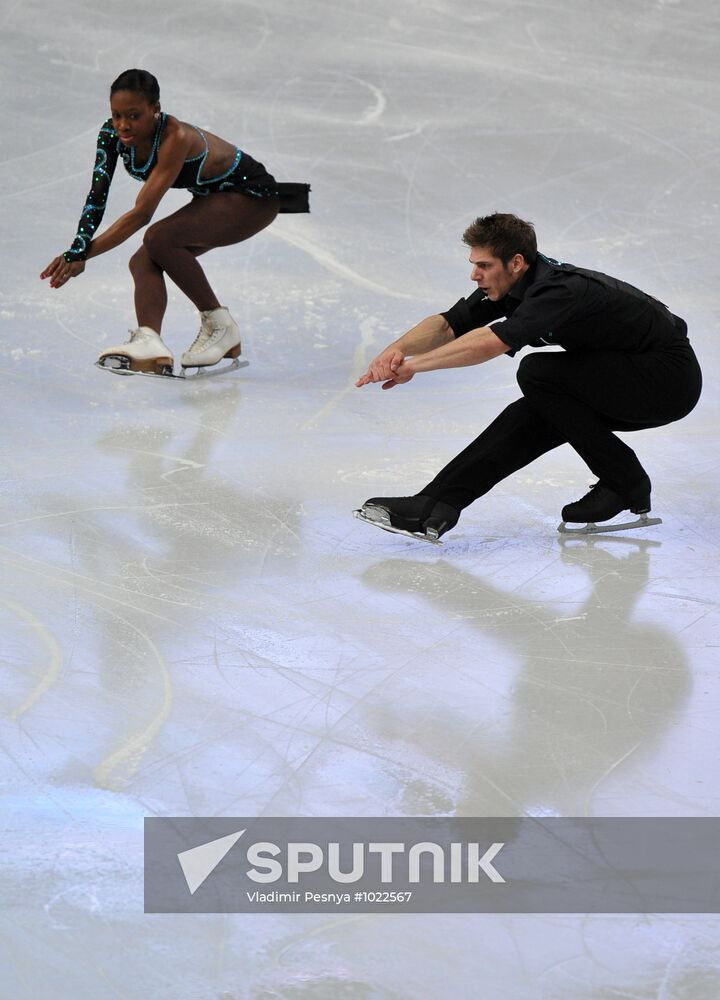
(361, 357)
(131, 590)
(330, 262)
(51, 656)
(127, 642)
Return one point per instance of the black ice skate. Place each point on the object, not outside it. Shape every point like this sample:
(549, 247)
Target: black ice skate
(419, 517)
(601, 504)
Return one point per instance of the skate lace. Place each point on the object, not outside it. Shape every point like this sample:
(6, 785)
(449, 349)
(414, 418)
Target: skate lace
(591, 487)
(200, 339)
(208, 330)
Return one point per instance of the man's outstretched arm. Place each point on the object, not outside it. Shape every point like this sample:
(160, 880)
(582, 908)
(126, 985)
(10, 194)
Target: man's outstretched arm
(473, 348)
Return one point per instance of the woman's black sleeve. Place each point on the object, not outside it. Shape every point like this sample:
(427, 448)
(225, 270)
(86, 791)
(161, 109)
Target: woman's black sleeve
(105, 163)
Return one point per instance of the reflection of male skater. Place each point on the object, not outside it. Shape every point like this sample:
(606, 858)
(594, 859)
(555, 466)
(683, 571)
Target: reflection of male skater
(574, 696)
(627, 364)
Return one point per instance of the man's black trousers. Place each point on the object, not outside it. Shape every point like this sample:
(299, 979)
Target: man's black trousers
(579, 398)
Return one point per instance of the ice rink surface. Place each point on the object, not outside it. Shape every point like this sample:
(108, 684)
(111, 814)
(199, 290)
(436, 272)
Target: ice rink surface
(193, 623)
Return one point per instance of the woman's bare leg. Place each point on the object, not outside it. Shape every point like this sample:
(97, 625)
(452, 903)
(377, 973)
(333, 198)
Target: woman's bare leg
(172, 246)
(150, 291)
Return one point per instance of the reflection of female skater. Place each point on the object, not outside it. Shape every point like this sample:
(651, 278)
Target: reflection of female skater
(234, 197)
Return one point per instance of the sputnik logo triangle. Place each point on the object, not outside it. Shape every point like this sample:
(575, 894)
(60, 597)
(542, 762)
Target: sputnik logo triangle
(200, 862)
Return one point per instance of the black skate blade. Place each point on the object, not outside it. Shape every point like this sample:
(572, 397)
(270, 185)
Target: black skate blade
(384, 523)
(208, 371)
(592, 528)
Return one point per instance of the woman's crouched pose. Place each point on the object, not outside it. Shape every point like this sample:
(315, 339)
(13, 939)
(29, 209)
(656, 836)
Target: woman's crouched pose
(234, 197)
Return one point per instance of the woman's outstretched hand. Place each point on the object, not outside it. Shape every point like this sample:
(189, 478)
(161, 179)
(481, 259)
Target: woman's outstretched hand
(59, 271)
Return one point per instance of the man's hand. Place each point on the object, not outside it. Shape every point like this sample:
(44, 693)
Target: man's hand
(402, 374)
(59, 271)
(384, 367)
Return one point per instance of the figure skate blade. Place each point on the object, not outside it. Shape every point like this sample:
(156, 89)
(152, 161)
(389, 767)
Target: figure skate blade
(207, 371)
(378, 521)
(592, 528)
(118, 364)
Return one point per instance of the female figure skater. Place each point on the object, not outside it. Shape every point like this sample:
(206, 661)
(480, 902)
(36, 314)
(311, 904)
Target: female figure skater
(234, 197)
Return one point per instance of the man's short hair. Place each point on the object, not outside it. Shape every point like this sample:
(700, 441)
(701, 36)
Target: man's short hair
(504, 235)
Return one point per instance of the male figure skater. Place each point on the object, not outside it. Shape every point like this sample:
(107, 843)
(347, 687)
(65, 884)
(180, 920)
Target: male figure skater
(627, 364)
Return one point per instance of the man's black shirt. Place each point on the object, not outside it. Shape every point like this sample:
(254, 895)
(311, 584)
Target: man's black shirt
(571, 307)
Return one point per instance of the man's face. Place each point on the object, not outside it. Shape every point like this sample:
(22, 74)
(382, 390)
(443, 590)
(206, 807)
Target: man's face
(492, 276)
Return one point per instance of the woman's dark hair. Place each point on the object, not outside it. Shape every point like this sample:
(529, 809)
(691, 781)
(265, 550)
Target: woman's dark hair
(140, 82)
(505, 235)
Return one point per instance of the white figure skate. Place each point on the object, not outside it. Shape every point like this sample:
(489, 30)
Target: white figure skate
(219, 338)
(143, 354)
